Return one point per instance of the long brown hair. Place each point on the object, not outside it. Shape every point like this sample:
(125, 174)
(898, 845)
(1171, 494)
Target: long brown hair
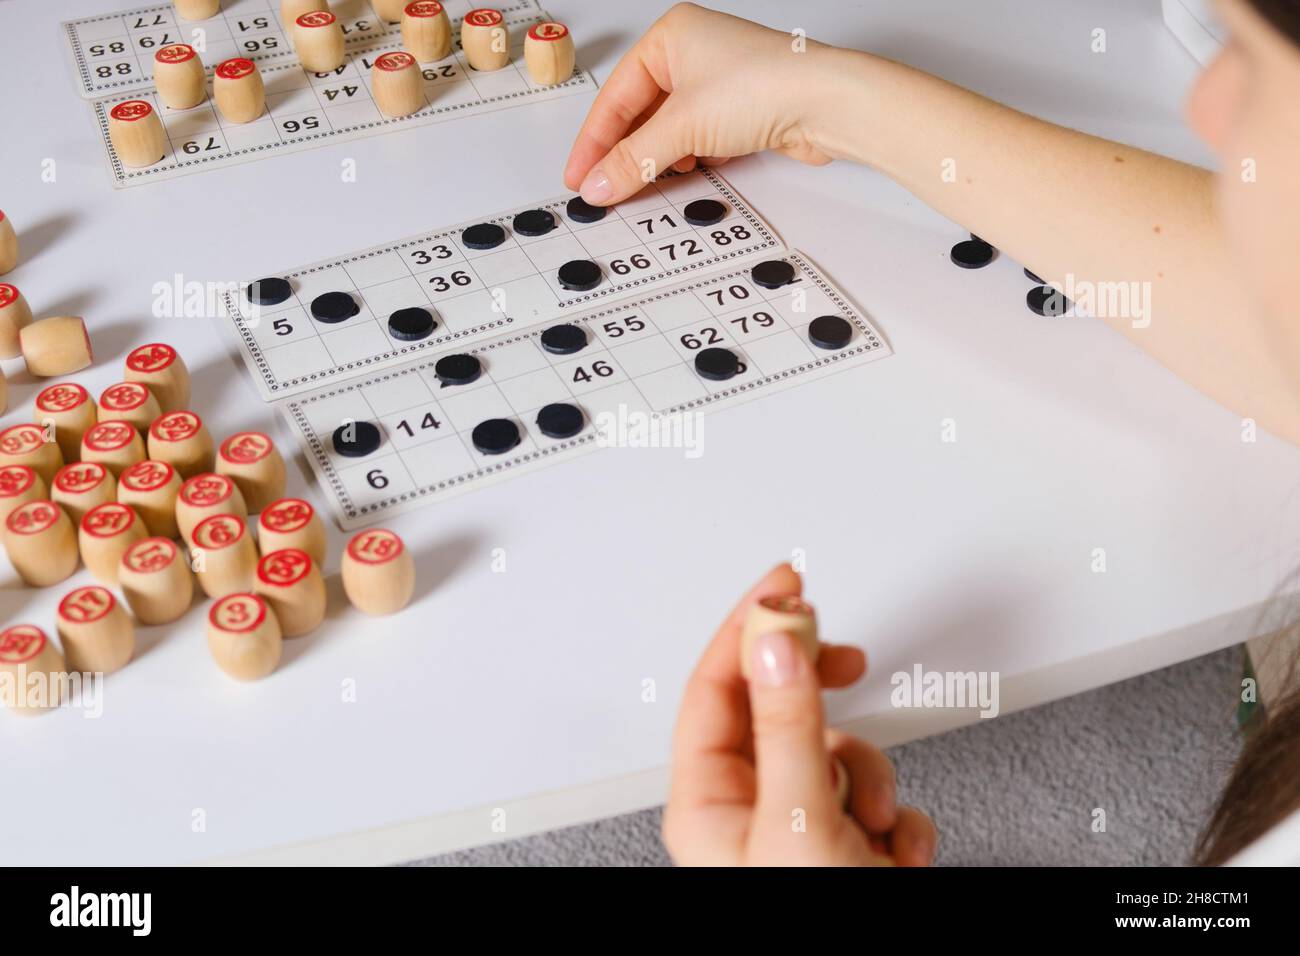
(1283, 14)
(1264, 786)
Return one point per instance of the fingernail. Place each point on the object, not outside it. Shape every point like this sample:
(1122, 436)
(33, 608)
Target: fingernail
(882, 796)
(919, 844)
(596, 188)
(774, 659)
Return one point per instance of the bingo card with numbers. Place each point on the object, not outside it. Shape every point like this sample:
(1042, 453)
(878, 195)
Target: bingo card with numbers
(475, 293)
(304, 110)
(638, 367)
(113, 54)
(436, 364)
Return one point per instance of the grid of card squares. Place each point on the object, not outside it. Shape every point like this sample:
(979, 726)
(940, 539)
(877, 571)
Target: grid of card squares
(305, 110)
(114, 53)
(638, 365)
(476, 293)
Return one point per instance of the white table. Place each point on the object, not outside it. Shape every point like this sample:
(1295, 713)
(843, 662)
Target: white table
(523, 691)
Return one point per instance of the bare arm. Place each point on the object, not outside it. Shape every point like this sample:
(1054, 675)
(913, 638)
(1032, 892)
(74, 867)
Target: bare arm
(1078, 210)
(1083, 212)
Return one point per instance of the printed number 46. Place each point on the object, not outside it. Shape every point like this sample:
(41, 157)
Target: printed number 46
(598, 368)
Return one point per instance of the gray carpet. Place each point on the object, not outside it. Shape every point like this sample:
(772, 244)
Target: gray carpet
(1021, 789)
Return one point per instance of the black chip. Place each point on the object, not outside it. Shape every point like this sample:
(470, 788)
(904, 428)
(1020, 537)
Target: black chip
(972, 254)
(457, 369)
(534, 222)
(772, 274)
(332, 307)
(717, 364)
(1046, 301)
(580, 210)
(829, 332)
(486, 235)
(356, 439)
(270, 291)
(564, 339)
(579, 275)
(495, 436)
(1033, 278)
(411, 325)
(704, 212)
(560, 420)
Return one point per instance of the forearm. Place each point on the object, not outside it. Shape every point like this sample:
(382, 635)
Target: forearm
(1123, 225)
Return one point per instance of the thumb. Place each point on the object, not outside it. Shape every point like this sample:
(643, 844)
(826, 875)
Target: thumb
(640, 157)
(789, 744)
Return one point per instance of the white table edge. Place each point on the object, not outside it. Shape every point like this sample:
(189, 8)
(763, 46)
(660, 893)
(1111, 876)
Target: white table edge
(445, 833)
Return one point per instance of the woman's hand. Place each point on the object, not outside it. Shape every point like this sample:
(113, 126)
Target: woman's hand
(699, 84)
(752, 778)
